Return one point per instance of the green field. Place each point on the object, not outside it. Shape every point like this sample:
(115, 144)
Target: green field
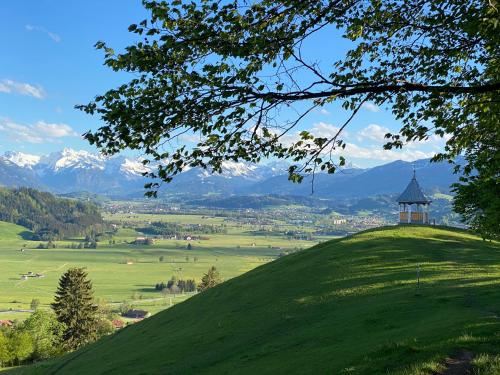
(116, 281)
(348, 306)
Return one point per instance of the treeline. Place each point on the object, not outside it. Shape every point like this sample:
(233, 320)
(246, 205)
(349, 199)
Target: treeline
(161, 228)
(175, 285)
(47, 216)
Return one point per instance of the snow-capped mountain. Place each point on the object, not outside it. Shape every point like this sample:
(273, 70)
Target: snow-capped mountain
(69, 171)
(133, 167)
(71, 159)
(21, 159)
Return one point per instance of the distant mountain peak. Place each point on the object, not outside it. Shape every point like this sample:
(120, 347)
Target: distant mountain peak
(22, 159)
(70, 158)
(134, 167)
(237, 169)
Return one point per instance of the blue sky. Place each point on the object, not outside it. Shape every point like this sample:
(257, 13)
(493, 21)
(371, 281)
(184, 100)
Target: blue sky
(49, 64)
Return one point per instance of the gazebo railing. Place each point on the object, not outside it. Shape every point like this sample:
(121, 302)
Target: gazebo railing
(416, 217)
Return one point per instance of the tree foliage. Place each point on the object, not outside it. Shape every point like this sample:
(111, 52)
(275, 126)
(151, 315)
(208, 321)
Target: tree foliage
(75, 308)
(478, 193)
(4, 350)
(46, 333)
(210, 279)
(174, 284)
(233, 74)
(20, 345)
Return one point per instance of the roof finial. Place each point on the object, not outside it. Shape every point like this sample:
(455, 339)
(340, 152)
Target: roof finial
(414, 176)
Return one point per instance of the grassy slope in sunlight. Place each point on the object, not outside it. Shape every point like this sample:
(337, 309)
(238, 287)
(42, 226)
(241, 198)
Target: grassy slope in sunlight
(348, 306)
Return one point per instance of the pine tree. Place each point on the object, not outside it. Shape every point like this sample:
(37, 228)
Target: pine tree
(210, 279)
(74, 306)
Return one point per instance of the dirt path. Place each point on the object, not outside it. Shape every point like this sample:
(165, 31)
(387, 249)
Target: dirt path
(459, 364)
(16, 311)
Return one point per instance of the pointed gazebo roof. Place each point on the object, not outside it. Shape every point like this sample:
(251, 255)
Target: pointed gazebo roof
(413, 193)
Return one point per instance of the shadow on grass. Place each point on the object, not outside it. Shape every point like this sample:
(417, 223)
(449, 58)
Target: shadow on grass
(27, 235)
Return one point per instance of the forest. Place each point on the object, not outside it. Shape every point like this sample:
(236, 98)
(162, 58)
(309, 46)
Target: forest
(47, 216)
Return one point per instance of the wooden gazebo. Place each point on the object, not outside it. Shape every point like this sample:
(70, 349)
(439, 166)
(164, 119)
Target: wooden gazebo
(413, 204)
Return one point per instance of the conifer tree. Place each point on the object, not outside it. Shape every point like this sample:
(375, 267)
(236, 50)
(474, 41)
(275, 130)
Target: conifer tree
(210, 279)
(74, 306)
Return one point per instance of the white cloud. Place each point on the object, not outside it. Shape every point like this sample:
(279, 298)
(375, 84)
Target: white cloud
(324, 112)
(373, 132)
(369, 106)
(19, 132)
(190, 138)
(9, 86)
(435, 141)
(323, 129)
(320, 129)
(353, 151)
(55, 130)
(373, 152)
(55, 37)
(35, 133)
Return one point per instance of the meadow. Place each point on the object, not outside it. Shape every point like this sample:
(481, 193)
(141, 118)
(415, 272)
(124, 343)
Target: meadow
(122, 272)
(349, 306)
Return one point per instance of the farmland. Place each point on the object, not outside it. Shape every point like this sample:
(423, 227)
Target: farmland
(122, 272)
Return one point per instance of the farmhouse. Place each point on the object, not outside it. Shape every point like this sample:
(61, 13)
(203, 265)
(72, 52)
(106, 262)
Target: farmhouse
(413, 204)
(137, 314)
(117, 323)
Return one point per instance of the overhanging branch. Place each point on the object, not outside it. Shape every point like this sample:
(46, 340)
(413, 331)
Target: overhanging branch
(369, 89)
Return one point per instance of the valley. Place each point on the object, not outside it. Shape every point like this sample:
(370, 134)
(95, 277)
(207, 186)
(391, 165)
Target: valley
(124, 273)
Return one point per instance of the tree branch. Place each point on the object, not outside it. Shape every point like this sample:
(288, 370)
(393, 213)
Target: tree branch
(406, 86)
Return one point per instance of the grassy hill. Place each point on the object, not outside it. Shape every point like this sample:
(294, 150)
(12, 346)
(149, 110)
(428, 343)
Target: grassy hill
(348, 306)
(13, 233)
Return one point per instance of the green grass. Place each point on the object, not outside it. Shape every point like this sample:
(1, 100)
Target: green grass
(347, 306)
(11, 234)
(113, 279)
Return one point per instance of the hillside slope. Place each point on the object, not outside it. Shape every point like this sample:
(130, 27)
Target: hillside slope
(348, 306)
(12, 233)
(48, 216)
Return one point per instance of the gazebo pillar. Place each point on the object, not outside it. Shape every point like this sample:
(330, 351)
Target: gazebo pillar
(409, 214)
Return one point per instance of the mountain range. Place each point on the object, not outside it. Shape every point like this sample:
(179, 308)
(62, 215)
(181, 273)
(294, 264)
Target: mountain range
(69, 171)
